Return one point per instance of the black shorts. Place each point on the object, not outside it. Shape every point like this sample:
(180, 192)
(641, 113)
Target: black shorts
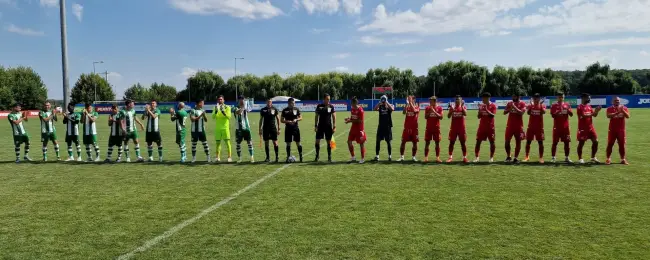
(325, 133)
(241, 135)
(152, 137)
(270, 134)
(292, 134)
(385, 134)
(198, 137)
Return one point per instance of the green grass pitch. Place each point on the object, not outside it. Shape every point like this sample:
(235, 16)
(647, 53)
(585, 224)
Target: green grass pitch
(307, 211)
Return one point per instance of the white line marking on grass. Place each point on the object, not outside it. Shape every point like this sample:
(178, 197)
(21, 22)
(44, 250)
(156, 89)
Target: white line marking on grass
(170, 232)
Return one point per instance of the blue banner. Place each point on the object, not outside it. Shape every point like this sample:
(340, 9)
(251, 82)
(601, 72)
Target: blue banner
(631, 101)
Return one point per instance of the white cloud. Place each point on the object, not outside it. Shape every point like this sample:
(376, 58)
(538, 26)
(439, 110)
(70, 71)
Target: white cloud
(50, 3)
(341, 68)
(609, 42)
(24, 31)
(374, 40)
(78, 10)
(245, 9)
(581, 61)
(329, 6)
(319, 30)
(490, 16)
(352, 6)
(643, 53)
(188, 72)
(114, 76)
(341, 56)
(489, 33)
(454, 49)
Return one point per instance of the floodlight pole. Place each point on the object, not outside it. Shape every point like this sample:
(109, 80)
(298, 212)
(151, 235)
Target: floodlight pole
(64, 54)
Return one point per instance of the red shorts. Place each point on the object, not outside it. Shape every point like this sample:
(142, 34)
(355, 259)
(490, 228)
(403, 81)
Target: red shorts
(517, 133)
(589, 134)
(357, 136)
(410, 135)
(613, 136)
(561, 134)
(534, 134)
(459, 134)
(485, 134)
(432, 134)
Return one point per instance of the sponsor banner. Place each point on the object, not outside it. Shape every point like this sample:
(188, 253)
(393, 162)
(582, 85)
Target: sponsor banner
(30, 113)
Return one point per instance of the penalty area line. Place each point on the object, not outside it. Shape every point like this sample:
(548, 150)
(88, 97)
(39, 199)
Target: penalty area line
(175, 229)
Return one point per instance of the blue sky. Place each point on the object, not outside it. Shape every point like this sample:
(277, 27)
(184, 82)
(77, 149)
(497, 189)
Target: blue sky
(167, 40)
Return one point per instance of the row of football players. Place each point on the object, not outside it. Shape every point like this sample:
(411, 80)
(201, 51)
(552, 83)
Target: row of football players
(515, 109)
(123, 128)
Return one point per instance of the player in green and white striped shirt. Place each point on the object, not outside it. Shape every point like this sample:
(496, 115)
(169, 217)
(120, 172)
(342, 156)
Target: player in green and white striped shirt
(71, 120)
(48, 131)
(16, 119)
(116, 135)
(243, 131)
(198, 119)
(131, 132)
(152, 115)
(88, 119)
(179, 117)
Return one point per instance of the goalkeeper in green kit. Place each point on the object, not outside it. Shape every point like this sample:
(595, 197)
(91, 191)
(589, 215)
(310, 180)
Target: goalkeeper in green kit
(179, 117)
(221, 115)
(243, 131)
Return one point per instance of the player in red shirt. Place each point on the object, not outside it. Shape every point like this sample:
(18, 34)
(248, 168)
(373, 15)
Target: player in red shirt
(561, 111)
(433, 114)
(457, 113)
(617, 115)
(410, 133)
(486, 112)
(515, 110)
(586, 130)
(535, 131)
(357, 133)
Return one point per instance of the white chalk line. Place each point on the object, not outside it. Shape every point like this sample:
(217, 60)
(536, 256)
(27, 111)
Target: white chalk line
(170, 232)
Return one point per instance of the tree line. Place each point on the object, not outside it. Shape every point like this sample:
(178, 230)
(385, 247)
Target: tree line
(25, 86)
(447, 79)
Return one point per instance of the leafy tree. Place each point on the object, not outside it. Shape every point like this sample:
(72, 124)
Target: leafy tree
(84, 89)
(137, 93)
(162, 92)
(6, 97)
(26, 87)
(205, 85)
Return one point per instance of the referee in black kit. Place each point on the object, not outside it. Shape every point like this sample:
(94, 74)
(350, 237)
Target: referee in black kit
(290, 117)
(385, 127)
(270, 128)
(325, 126)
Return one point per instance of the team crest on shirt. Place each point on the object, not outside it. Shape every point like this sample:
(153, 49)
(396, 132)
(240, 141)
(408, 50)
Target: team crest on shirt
(329, 109)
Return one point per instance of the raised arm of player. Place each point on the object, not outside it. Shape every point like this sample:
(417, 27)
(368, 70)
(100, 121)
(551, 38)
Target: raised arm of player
(570, 112)
(139, 123)
(451, 111)
(194, 118)
(464, 109)
(376, 108)
(596, 111)
(625, 112)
